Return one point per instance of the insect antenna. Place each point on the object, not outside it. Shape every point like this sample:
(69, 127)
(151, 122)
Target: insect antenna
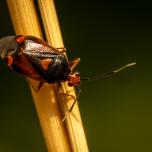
(110, 73)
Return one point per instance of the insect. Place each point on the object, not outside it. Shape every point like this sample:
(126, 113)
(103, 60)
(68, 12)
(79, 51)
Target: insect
(36, 59)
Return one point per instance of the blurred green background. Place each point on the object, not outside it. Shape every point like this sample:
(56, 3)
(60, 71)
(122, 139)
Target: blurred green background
(117, 110)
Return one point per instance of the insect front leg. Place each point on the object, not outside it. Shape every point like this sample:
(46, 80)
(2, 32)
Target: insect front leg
(66, 94)
(74, 63)
(74, 102)
(62, 93)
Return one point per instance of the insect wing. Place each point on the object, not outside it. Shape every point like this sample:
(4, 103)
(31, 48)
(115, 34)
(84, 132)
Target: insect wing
(34, 44)
(39, 54)
(22, 65)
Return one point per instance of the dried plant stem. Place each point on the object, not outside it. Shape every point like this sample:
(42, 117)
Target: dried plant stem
(26, 22)
(73, 121)
(57, 137)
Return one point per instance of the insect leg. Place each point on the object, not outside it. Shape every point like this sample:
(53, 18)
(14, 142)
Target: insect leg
(77, 96)
(37, 89)
(73, 63)
(75, 99)
(62, 93)
(39, 86)
(66, 94)
(61, 49)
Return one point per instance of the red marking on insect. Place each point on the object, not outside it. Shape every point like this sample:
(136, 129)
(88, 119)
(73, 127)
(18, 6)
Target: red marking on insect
(20, 39)
(46, 63)
(9, 60)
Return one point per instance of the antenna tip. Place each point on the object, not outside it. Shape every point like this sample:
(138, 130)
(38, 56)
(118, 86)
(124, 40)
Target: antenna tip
(131, 64)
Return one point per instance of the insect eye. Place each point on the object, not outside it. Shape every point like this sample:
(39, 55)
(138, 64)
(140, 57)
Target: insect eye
(20, 39)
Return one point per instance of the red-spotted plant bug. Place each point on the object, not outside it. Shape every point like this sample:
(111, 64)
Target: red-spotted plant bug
(36, 59)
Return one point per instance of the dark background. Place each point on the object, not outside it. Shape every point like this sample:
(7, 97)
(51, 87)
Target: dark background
(117, 110)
